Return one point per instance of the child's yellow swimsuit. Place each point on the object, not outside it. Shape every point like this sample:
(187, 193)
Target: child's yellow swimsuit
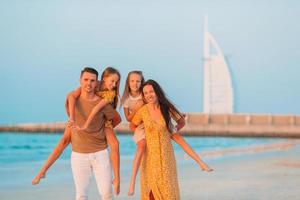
(109, 96)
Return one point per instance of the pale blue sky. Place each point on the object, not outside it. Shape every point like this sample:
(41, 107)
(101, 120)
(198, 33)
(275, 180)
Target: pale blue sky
(44, 45)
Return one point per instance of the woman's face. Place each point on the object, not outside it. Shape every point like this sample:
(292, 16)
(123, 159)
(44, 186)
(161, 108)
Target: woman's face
(111, 81)
(149, 94)
(135, 82)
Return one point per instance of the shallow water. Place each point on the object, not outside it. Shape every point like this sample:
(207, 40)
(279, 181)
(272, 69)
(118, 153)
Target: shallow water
(20, 148)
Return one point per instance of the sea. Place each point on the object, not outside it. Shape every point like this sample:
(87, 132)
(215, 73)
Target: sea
(22, 154)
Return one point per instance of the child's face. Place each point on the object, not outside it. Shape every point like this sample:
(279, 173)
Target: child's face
(134, 82)
(110, 82)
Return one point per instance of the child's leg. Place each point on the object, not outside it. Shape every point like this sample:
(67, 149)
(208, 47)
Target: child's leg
(114, 156)
(38, 177)
(141, 146)
(70, 106)
(57, 151)
(184, 145)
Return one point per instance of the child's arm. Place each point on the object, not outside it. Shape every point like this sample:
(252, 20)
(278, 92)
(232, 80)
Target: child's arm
(72, 96)
(180, 141)
(136, 120)
(180, 124)
(132, 126)
(129, 115)
(95, 110)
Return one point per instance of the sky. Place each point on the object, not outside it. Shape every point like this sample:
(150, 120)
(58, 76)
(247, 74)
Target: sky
(45, 44)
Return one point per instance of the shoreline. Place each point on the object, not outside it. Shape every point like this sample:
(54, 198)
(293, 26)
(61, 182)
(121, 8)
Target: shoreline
(269, 171)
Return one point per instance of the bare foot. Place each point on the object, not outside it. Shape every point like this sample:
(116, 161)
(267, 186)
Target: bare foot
(206, 168)
(116, 184)
(131, 189)
(37, 179)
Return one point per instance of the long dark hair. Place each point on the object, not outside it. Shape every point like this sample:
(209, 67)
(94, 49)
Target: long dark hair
(167, 108)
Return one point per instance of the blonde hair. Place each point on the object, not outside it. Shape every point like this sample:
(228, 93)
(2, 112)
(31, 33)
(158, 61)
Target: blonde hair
(108, 72)
(127, 88)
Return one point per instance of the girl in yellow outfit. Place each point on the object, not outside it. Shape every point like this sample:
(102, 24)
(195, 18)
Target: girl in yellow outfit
(158, 170)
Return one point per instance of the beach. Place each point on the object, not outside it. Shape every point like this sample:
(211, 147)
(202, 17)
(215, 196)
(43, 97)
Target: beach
(264, 171)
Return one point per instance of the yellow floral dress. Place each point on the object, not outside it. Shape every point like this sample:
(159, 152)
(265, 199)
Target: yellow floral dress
(109, 96)
(158, 168)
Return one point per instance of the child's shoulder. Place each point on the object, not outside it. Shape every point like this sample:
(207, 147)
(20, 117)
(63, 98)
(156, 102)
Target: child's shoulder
(107, 94)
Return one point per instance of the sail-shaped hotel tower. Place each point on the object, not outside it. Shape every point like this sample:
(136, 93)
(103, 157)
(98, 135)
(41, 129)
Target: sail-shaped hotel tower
(218, 91)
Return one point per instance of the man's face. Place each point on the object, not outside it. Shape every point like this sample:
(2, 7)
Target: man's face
(88, 82)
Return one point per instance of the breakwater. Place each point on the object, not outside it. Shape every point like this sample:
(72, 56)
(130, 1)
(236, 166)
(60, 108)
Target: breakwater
(199, 124)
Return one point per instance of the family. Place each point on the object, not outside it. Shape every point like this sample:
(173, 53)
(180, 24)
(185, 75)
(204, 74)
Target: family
(154, 120)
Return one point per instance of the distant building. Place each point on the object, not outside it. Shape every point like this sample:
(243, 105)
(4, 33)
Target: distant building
(218, 90)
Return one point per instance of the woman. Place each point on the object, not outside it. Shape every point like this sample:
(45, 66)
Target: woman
(158, 170)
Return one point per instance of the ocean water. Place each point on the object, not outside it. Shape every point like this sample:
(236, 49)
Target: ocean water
(26, 148)
(22, 155)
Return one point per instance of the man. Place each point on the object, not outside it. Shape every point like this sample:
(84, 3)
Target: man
(89, 148)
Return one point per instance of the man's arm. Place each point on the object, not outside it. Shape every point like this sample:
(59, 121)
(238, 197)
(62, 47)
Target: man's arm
(116, 120)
